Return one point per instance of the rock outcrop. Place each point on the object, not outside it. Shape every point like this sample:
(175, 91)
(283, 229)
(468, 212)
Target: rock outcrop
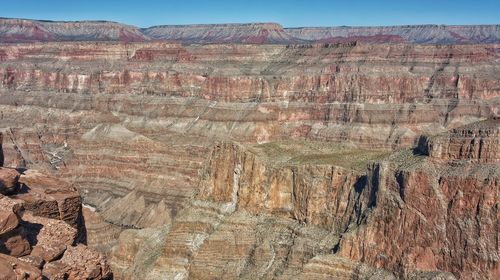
(406, 216)
(477, 142)
(41, 228)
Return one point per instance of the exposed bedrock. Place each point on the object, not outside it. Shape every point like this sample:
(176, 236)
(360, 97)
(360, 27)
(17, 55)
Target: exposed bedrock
(372, 95)
(476, 142)
(42, 230)
(423, 220)
(257, 216)
(131, 126)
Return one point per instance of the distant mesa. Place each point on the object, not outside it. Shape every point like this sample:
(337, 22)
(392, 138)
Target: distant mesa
(27, 30)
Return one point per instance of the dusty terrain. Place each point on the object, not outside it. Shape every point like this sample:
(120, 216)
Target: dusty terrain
(364, 159)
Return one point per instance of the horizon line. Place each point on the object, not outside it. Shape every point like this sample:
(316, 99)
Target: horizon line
(242, 23)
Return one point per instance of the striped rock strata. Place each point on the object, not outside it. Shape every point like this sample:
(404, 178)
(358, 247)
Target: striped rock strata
(404, 216)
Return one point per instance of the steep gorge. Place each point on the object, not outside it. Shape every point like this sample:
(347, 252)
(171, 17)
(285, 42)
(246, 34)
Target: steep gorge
(302, 151)
(406, 216)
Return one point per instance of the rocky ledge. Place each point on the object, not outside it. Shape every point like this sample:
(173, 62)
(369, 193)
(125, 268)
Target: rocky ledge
(477, 142)
(42, 233)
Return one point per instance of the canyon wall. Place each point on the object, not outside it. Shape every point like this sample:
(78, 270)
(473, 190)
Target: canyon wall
(131, 124)
(267, 161)
(403, 216)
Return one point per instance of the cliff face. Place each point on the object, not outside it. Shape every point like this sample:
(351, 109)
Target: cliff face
(403, 217)
(299, 192)
(131, 124)
(422, 222)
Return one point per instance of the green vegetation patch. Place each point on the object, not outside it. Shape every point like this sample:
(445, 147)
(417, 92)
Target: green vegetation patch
(318, 152)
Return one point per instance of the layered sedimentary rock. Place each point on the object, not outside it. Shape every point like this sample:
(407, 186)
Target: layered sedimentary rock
(405, 216)
(421, 34)
(257, 33)
(330, 92)
(477, 142)
(281, 135)
(25, 30)
(131, 124)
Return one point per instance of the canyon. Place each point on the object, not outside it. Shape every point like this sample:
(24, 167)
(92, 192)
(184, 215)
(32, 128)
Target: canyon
(312, 153)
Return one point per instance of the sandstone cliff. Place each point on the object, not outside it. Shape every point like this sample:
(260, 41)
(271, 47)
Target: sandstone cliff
(403, 217)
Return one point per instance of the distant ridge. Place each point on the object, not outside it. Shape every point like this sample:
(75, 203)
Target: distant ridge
(421, 34)
(27, 30)
(222, 33)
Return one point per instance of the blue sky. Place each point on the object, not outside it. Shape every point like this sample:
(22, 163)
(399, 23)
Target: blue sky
(290, 13)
